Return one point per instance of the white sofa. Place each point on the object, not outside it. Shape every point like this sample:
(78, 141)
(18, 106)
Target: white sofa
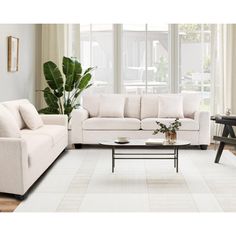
(23, 160)
(139, 121)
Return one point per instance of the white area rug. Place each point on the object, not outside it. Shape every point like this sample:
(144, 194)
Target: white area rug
(81, 181)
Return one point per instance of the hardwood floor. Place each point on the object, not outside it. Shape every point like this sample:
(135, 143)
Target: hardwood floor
(8, 203)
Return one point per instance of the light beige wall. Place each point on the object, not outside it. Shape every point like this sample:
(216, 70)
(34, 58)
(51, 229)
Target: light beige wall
(20, 84)
(39, 78)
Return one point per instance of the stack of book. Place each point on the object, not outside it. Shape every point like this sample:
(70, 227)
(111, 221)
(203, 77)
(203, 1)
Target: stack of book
(153, 141)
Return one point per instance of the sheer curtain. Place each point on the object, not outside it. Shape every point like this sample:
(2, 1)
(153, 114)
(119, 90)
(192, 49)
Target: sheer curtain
(222, 72)
(54, 45)
(222, 66)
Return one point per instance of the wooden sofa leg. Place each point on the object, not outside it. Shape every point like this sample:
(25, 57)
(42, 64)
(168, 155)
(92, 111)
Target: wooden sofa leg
(203, 147)
(78, 145)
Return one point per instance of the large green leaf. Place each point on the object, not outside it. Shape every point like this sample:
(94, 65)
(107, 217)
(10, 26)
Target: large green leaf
(89, 85)
(50, 98)
(59, 93)
(53, 75)
(69, 85)
(89, 70)
(78, 93)
(68, 107)
(77, 73)
(84, 81)
(72, 70)
(49, 110)
(77, 81)
(67, 102)
(67, 66)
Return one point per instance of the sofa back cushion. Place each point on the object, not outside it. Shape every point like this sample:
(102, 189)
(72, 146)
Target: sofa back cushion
(131, 110)
(149, 106)
(8, 126)
(191, 103)
(145, 106)
(30, 116)
(112, 105)
(91, 103)
(170, 106)
(132, 106)
(14, 108)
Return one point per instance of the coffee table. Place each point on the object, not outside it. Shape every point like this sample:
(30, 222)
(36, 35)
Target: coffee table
(140, 144)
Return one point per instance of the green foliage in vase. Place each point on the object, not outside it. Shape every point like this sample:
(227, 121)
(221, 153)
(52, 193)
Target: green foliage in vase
(162, 128)
(63, 91)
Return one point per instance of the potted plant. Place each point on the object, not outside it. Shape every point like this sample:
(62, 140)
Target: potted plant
(169, 131)
(63, 91)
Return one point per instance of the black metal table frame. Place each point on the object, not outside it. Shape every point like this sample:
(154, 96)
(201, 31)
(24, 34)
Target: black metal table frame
(227, 131)
(228, 135)
(175, 155)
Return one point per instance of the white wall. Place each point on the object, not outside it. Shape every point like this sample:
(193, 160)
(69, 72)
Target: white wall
(21, 84)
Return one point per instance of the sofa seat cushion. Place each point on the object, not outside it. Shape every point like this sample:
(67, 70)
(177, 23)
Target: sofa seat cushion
(36, 144)
(187, 123)
(54, 132)
(111, 124)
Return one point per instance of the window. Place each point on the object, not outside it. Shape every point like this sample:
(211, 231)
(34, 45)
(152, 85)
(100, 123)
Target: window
(144, 59)
(148, 58)
(157, 59)
(195, 60)
(133, 59)
(96, 49)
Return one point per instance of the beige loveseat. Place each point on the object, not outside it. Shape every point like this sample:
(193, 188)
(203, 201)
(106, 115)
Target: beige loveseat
(23, 160)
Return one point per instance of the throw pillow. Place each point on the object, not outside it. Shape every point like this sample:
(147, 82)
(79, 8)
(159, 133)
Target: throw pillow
(8, 124)
(30, 116)
(191, 103)
(14, 108)
(112, 106)
(170, 106)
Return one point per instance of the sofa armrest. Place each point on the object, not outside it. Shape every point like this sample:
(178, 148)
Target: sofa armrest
(77, 118)
(55, 120)
(203, 118)
(13, 165)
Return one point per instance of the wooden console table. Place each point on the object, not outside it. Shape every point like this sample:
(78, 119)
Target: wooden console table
(228, 135)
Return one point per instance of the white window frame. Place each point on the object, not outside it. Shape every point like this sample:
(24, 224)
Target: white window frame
(173, 58)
